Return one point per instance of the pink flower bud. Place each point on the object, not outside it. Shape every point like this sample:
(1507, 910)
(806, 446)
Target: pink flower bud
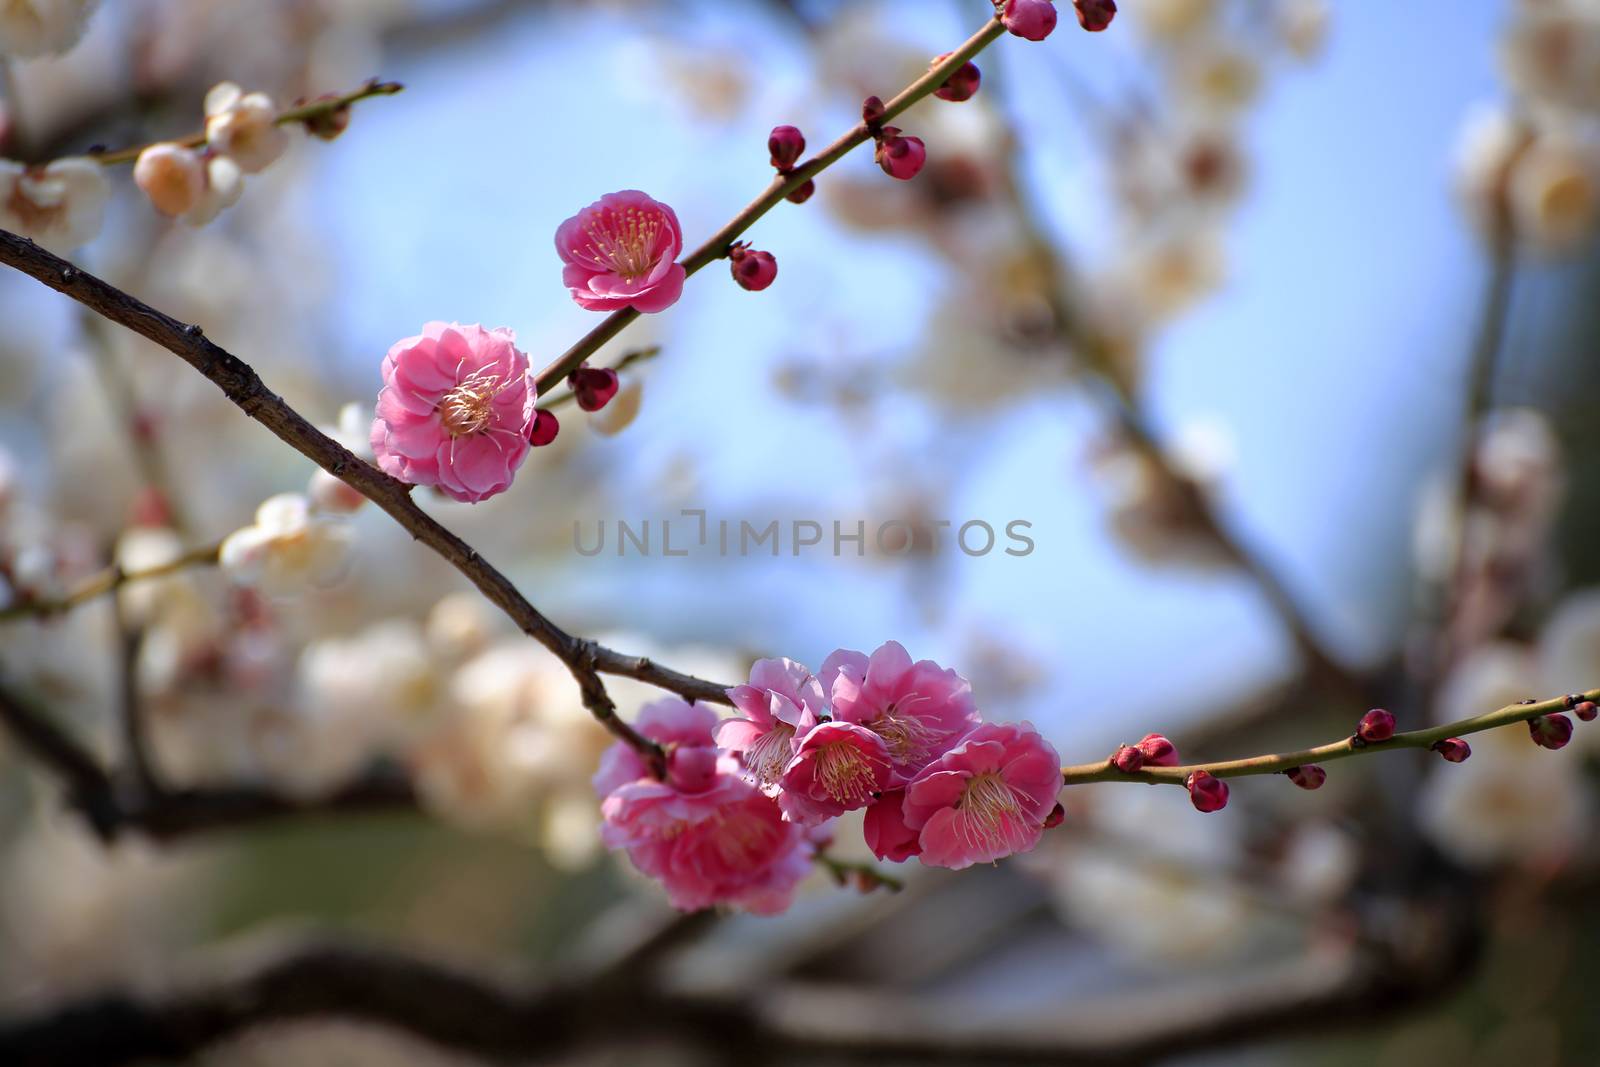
(1310, 776)
(872, 111)
(1128, 759)
(1095, 15)
(900, 157)
(1376, 725)
(1206, 791)
(692, 768)
(1585, 710)
(1453, 749)
(786, 143)
(803, 193)
(544, 428)
(1158, 751)
(594, 387)
(962, 85)
(752, 269)
(1550, 731)
(1032, 20)
(1057, 816)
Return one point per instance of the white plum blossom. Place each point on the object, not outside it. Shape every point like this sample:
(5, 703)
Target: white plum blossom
(224, 185)
(42, 27)
(61, 205)
(290, 547)
(1512, 801)
(243, 126)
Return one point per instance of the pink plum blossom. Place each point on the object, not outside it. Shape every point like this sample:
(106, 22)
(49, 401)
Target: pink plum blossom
(781, 698)
(886, 831)
(670, 722)
(455, 410)
(724, 845)
(988, 797)
(621, 251)
(919, 709)
(837, 767)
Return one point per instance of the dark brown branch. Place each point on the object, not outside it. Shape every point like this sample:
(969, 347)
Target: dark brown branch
(88, 786)
(501, 1020)
(240, 384)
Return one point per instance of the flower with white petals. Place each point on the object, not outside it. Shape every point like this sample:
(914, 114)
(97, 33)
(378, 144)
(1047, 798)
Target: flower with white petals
(244, 127)
(1512, 802)
(61, 205)
(42, 27)
(172, 175)
(1554, 192)
(1569, 650)
(354, 433)
(290, 547)
(223, 187)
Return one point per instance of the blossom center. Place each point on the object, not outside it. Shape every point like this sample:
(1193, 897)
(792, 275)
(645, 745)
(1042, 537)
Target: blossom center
(626, 240)
(844, 774)
(989, 803)
(37, 200)
(767, 758)
(469, 407)
(909, 738)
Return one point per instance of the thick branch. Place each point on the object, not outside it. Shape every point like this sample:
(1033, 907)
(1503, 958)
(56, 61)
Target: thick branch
(240, 384)
(1509, 715)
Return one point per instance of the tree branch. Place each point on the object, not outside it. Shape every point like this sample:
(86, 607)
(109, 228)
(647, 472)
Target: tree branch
(585, 659)
(1510, 715)
(109, 580)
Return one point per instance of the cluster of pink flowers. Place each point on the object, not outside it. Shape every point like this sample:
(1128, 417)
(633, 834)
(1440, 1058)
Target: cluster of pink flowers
(747, 801)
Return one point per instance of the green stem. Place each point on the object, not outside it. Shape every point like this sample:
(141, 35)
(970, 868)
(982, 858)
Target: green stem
(1277, 763)
(302, 113)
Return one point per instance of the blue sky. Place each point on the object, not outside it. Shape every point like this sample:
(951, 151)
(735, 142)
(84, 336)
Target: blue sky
(1334, 354)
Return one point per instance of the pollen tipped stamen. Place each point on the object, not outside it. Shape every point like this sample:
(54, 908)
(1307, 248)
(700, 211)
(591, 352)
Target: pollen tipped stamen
(469, 407)
(909, 738)
(627, 241)
(767, 758)
(844, 774)
(990, 805)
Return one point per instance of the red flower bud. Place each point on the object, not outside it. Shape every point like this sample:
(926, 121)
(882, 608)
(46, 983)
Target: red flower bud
(544, 429)
(1032, 20)
(1095, 15)
(594, 387)
(1309, 776)
(1453, 749)
(872, 111)
(900, 157)
(755, 270)
(1550, 731)
(803, 193)
(1376, 725)
(786, 143)
(1158, 751)
(1128, 759)
(329, 124)
(1207, 792)
(962, 85)
(1055, 818)
(1585, 710)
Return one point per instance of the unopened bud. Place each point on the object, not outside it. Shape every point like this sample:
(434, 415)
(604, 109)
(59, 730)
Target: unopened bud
(753, 269)
(1453, 749)
(786, 144)
(1207, 792)
(1055, 818)
(872, 111)
(1128, 759)
(1158, 751)
(544, 428)
(594, 387)
(900, 156)
(803, 193)
(1032, 20)
(330, 123)
(1550, 731)
(1585, 710)
(1308, 776)
(1095, 15)
(1376, 725)
(961, 85)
